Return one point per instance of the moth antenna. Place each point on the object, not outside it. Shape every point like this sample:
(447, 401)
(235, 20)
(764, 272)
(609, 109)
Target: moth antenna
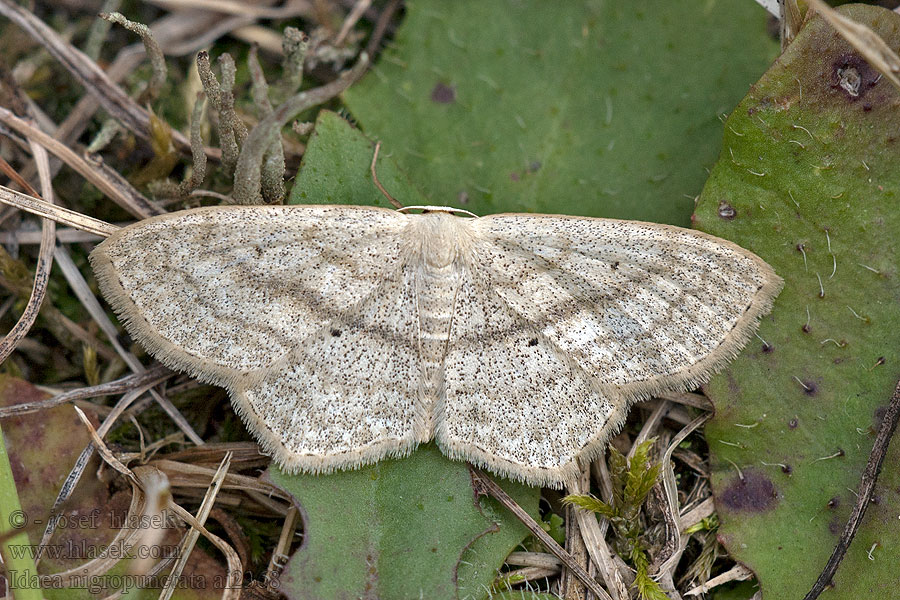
(380, 187)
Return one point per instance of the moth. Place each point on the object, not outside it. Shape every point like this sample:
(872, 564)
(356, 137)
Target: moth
(347, 334)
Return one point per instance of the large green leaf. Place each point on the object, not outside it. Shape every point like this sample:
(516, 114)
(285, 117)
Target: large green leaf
(592, 108)
(376, 526)
(808, 179)
(396, 529)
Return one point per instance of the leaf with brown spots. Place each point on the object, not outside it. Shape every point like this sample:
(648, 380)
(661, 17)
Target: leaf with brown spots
(809, 166)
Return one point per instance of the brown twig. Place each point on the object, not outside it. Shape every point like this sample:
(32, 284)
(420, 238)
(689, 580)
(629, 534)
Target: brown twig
(380, 187)
(486, 485)
(10, 172)
(866, 487)
(65, 235)
(152, 376)
(381, 27)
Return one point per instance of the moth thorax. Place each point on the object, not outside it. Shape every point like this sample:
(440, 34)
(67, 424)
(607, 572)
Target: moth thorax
(442, 236)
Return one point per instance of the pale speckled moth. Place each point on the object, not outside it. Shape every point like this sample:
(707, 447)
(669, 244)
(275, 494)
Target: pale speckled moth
(345, 334)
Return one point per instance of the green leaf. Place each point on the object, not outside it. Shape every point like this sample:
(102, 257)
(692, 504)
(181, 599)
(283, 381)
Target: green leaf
(740, 590)
(556, 527)
(593, 108)
(335, 169)
(808, 180)
(396, 529)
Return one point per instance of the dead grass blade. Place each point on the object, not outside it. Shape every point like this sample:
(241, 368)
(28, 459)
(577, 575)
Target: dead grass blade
(235, 569)
(670, 487)
(55, 213)
(112, 185)
(68, 486)
(111, 97)
(44, 262)
(486, 485)
(150, 377)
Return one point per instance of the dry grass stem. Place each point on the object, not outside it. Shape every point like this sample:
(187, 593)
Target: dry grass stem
(55, 213)
(594, 534)
(569, 585)
(736, 573)
(115, 187)
(111, 97)
(688, 399)
(71, 481)
(533, 559)
(183, 475)
(486, 485)
(285, 539)
(294, 8)
(650, 426)
(197, 526)
(44, 262)
(153, 376)
(358, 10)
(671, 508)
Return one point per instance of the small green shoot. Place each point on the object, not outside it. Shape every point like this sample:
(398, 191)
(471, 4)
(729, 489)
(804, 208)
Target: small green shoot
(506, 581)
(631, 482)
(710, 523)
(700, 570)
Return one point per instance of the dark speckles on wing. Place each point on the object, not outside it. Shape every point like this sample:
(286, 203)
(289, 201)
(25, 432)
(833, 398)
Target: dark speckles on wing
(628, 301)
(267, 276)
(347, 334)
